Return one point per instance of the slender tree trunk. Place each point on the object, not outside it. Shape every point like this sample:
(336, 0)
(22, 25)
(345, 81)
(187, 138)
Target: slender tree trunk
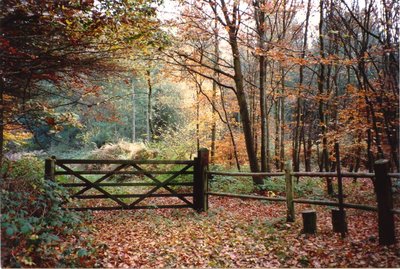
(267, 144)
(228, 124)
(299, 105)
(133, 113)
(260, 21)
(321, 107)
(198, 117)
(213, 124)
(282, 125)
(214, 93)
(149, 121)
(253, 111)
(2, 123)
(263, 110)
(369, 147)
(277, 136)
(307, 152)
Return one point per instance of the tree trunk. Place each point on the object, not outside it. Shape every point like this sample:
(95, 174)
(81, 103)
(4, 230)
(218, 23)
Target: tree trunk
(232, 22)
(307, 153)
(198, 117)
(321, 107)
(260, 22)
(299, 103)
(244, 112)
(133, 113)
(149, 117)
(282, 125)
(230, 130)
(2, 123)
(214, 94)
(263, 110)
(277, 136)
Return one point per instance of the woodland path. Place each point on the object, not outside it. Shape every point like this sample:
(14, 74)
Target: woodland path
(236, 233)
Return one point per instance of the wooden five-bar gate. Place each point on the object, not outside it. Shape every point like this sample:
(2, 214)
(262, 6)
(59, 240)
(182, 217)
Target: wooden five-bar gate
(196, 198)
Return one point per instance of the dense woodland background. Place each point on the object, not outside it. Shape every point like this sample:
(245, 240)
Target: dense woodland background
(257, 82)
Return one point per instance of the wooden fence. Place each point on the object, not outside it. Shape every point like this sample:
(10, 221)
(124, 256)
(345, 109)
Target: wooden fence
(382, 185)
(197, 168)
(200, 193)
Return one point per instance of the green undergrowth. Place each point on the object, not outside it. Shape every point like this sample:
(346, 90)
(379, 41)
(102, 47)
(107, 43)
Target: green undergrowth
(273, 186)
(36, 231)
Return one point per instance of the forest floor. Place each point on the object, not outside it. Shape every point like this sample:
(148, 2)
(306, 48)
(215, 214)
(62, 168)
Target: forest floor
(237, 233)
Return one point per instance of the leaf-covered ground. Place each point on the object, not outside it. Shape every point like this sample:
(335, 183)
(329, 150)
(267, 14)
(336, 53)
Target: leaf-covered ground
(236, 233)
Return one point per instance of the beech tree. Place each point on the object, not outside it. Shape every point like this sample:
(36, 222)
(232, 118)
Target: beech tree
(229, 19)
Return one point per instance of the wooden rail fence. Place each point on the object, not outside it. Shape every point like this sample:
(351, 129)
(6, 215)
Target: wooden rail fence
(198, 168)
(382, 186)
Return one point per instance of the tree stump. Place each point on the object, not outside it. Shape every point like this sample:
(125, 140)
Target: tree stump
(339, 223)
(309, 221)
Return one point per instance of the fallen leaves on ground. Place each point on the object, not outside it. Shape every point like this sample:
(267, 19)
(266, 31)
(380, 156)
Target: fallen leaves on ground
(236, 233)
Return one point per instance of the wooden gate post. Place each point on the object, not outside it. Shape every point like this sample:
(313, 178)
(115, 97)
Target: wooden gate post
(200, 186)
(383, 190)
(289, 192)
(49, 168)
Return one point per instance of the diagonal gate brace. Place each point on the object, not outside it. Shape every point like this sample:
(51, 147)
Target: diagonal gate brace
(93, 185)
(106, 176)
(161, 185)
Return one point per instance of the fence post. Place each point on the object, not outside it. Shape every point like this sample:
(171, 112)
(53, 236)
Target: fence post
(200, 185)
(309, 221)
(289, 192)
(383, 190)
(339, 223)
(49, 168)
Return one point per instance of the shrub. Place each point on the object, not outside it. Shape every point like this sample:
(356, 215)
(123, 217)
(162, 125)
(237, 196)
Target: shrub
(36, 230)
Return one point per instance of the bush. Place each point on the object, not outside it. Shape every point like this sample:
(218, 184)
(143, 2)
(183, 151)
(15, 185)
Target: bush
(36, 230)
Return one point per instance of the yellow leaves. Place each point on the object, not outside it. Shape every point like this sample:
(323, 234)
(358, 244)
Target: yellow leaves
(300, 61)
(27, 261)
(17, 136)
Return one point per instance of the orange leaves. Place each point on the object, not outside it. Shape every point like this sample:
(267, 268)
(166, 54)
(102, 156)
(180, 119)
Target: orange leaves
(92, 90)
(237, 233)
(50, 121)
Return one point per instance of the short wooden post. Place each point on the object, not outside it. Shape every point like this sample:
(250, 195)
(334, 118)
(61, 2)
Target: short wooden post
(289, 192)
(339, 215)
(383, 189)
(309, 221)
(339, 223)
(200, 186)
(49, 168)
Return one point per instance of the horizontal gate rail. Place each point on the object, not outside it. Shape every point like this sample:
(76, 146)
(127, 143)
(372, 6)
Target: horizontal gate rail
(81, 161)
(245, 174)
(99, 196)
(124, 172)
(105, 208)
(126, 184)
